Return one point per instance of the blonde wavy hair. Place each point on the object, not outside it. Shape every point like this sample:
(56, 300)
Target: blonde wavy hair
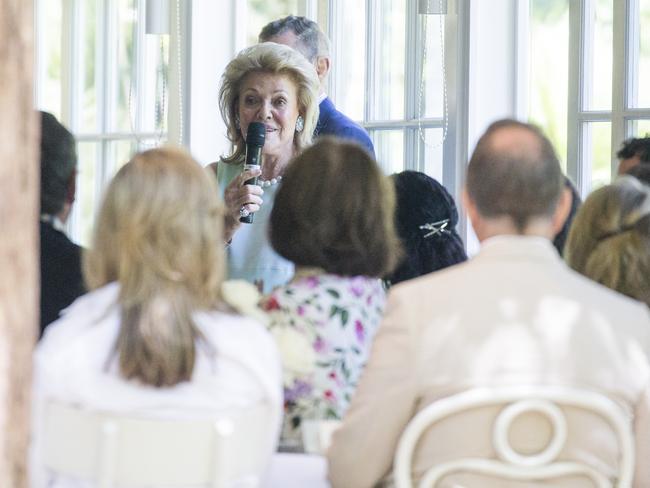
(269, 57)
(609, 240)
(159, 235)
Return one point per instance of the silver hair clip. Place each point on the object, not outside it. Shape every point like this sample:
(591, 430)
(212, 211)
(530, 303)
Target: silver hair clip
(435, 228)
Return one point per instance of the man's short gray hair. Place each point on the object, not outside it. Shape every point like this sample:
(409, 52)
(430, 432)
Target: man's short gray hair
(312, 41)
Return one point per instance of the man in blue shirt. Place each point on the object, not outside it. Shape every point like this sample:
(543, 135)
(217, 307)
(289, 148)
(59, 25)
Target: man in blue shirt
(305, 36)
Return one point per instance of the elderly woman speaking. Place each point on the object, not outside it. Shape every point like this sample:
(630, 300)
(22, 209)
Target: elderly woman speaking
(276, 86)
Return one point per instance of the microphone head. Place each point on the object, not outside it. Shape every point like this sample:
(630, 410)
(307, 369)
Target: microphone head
(256, 134)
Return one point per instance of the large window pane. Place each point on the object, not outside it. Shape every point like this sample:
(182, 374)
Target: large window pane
(155, 96)
(640, 128)
(127, 94)
(89, 54)
(261, 12)
(598, 45)
(389, 148)
(349, 58)
(50, 18)
(389, 60)
(119, 153)
(598, 152)
(549, 77)
(640, 55)
(87, 197)
(433, 153)
(432, 83)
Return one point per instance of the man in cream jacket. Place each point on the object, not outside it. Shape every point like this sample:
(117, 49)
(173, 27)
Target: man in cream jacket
(513, 315)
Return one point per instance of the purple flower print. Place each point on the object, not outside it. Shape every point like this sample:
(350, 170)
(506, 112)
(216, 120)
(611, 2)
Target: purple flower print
(299, 390)
(312, 281)
(361, 333)
(356, 287)
(319, 345)
(300, 310)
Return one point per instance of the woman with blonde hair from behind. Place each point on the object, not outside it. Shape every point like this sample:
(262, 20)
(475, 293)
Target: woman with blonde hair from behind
(609, 241)
(153, 337)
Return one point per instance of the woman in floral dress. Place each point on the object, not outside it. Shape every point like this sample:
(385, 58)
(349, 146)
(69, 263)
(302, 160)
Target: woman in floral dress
(333, 217)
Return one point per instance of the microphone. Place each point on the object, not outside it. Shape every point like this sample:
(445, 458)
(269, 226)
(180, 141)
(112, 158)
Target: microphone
(255, 136)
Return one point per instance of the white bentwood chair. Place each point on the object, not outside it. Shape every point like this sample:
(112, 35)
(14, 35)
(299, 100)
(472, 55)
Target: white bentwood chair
(512, 465)
(110, 450)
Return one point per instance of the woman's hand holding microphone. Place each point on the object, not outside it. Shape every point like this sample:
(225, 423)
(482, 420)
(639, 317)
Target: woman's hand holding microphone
(241, 200)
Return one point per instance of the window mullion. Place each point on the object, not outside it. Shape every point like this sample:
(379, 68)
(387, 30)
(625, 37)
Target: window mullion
(455, 146)
(72, 63)
(370, 100)
(620, 71)
(575, 166)
(522, 59)
(413, 148)
(107, 64)
(140, 71)
(72, 69)
(308, 8)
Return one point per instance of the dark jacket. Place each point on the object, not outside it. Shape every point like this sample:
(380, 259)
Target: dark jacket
(61, 280)
(331, 122)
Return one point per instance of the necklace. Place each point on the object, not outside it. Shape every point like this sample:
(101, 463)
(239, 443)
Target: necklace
(271, 182)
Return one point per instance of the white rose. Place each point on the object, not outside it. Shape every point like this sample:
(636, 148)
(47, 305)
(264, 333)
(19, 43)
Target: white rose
(243, 297)
(297, 353)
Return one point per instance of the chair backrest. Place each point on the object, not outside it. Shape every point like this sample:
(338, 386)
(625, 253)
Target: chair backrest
(512, 465)
(112, 450)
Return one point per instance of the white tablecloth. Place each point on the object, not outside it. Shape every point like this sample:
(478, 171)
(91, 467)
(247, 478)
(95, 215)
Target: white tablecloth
(290, 470)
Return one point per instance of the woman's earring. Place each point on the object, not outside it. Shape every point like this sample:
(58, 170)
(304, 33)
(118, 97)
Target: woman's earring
(237, 123)
(300, 123)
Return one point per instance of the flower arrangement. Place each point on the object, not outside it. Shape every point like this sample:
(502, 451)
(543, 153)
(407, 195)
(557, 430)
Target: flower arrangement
(245, 298)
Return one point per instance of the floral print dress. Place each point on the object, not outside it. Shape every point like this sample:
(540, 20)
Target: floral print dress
(335, 318)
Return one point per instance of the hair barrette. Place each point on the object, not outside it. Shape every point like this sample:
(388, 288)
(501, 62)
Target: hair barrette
(435, 228)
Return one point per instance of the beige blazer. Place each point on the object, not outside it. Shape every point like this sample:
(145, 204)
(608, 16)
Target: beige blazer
(514, 314)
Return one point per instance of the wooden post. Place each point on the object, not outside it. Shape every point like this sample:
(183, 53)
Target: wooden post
(18, 237)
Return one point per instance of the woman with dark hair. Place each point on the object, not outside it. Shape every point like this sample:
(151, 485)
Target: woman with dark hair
(332, 218)
(426, 219)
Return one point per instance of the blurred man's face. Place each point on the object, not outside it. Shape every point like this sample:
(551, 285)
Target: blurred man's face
(627, 164)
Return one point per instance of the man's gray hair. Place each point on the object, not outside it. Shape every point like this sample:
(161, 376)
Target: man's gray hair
(520, 181)
(312, 41)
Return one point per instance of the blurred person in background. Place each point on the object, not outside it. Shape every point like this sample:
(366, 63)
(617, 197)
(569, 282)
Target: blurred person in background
(514, 315)
(426, 218)
(333, 218)
(154, 336)
(610, 238)
(560, 239)
(633, 152)
(641, 172)
(61, 280)
(306, 37)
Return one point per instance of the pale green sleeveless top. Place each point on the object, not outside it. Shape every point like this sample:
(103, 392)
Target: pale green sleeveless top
(250, 255)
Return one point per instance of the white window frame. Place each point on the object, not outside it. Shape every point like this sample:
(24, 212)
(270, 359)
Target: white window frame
(625, 37)
(455, 54)
(72, 60)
